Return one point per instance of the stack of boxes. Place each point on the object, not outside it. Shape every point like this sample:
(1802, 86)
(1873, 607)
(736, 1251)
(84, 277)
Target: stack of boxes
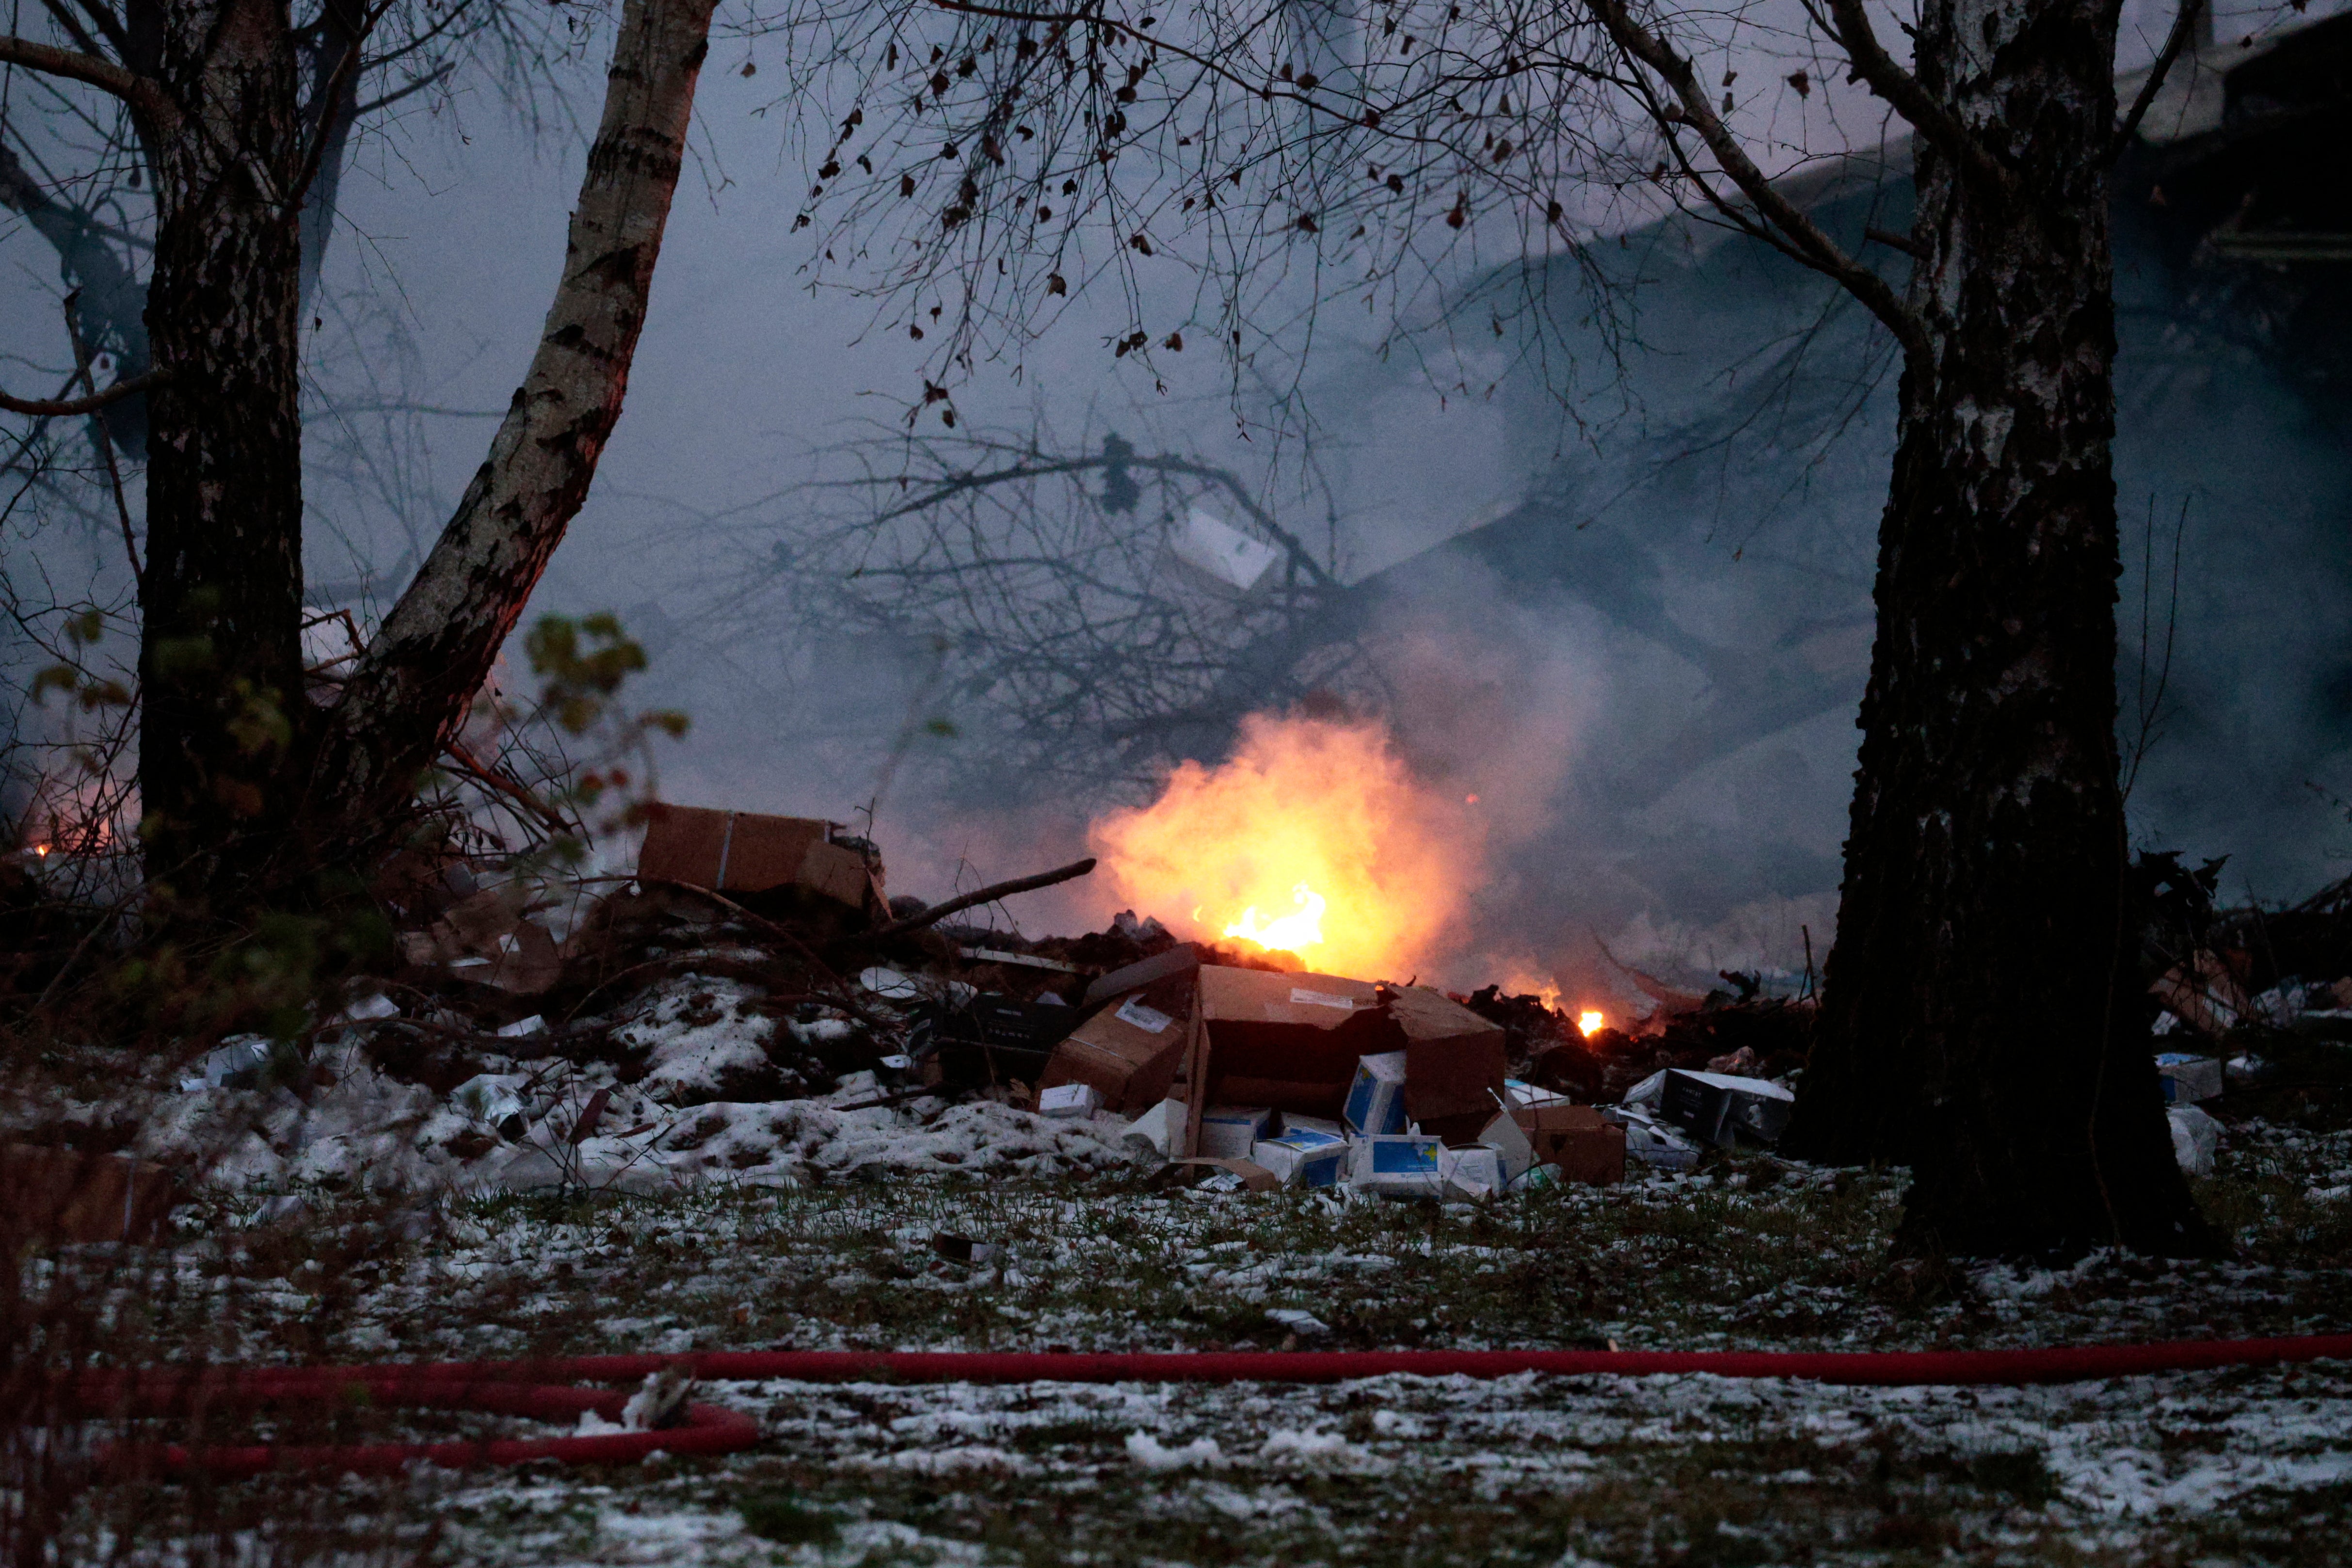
(1316, 1080)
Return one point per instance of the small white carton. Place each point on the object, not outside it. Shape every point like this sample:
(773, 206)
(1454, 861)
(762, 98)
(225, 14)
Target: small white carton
(1476, 1172)
(1302, 1157)
(1069, 1101)
(1294, 1122)
(1230, 1131)
(1396, 1163)
(1375, 1104)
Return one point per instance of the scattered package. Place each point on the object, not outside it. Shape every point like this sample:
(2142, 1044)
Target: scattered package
(1652, 1142)
(741, 852)
(1375, 1102)
(237, 1062)
(1231, 1132)
(1402, 1164)
(1069, 1101)
(2188, 1078)
(1716, 1108)
(1303, 1156)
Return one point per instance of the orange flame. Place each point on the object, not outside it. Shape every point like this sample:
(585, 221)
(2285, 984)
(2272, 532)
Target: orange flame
(1315, 816)
(1590, 1023)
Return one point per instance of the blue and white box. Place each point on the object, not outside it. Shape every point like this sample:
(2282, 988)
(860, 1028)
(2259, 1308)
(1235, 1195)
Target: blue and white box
(2188, 1078)
(1403, 1163)
(1375, 1104)
(1230, 1131)
(1302, 1157)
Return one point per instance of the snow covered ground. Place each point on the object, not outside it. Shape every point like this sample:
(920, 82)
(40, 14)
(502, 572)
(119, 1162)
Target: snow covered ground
(2233, 1465)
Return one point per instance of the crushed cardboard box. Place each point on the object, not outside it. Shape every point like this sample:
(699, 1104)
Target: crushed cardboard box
(749, 852)
(1130, 1053)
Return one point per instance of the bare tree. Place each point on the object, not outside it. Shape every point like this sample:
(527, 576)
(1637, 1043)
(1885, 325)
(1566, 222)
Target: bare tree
(1980, 1020)
(241, 786)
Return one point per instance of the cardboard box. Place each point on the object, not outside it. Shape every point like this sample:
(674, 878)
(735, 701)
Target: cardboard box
(1289, 1041)
(749, 852)
(1586, 1146)
(1230, 1131)
(1375, 1100)
(2186, 1079)
(1454, 1062)
(1404, 1163)
(1130, 1053)
(1302, 1157)
(1292, 1122)
(1718, 1107)
(67, 1195)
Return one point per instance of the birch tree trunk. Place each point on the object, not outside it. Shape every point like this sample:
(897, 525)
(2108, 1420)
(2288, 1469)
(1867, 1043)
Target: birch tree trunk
(1980, 1019)
(420, 674)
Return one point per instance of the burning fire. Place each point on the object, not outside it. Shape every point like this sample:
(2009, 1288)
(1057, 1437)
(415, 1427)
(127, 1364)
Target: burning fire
(1590, 1023)
(1313, 838)
(1293, 932)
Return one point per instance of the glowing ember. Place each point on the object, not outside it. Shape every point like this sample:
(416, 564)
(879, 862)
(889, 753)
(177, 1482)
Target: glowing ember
(42, 850)
(1293, 932)
(1588, 1024)
(1312, 816)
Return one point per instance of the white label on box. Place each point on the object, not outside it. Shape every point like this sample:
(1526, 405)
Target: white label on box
(1302, 998)
(1150, 1020)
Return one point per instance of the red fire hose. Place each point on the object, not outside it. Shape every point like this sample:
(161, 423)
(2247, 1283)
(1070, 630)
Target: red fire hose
(528, 1388)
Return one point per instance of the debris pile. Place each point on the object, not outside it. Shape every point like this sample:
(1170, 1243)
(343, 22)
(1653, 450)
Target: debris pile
(752, 1005)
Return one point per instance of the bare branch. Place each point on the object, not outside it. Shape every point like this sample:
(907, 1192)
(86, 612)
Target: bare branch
(68, 407)
(987, 894)
(2184, 30)
(146, 96)
(1810, 243)
(1849, 25)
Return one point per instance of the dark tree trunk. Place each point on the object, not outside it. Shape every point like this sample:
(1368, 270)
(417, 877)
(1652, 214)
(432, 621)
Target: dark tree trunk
(220, 663)
(1980, 1018)
(420, 674)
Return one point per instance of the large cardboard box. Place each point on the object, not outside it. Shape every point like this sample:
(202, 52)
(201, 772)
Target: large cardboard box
(1129, 1052)
(1576, 1138)
(1453, 1063)
(1289, 1041)
(747, 852)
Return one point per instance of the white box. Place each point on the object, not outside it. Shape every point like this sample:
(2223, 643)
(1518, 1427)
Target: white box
(1302, 1157)
(2186, 1079)
(1230, 1131)
(1375, 1104)
(1294, 1122)
(1396, 1163)
(1507, 1138)
(1069, 1101)
(1476, 1172)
